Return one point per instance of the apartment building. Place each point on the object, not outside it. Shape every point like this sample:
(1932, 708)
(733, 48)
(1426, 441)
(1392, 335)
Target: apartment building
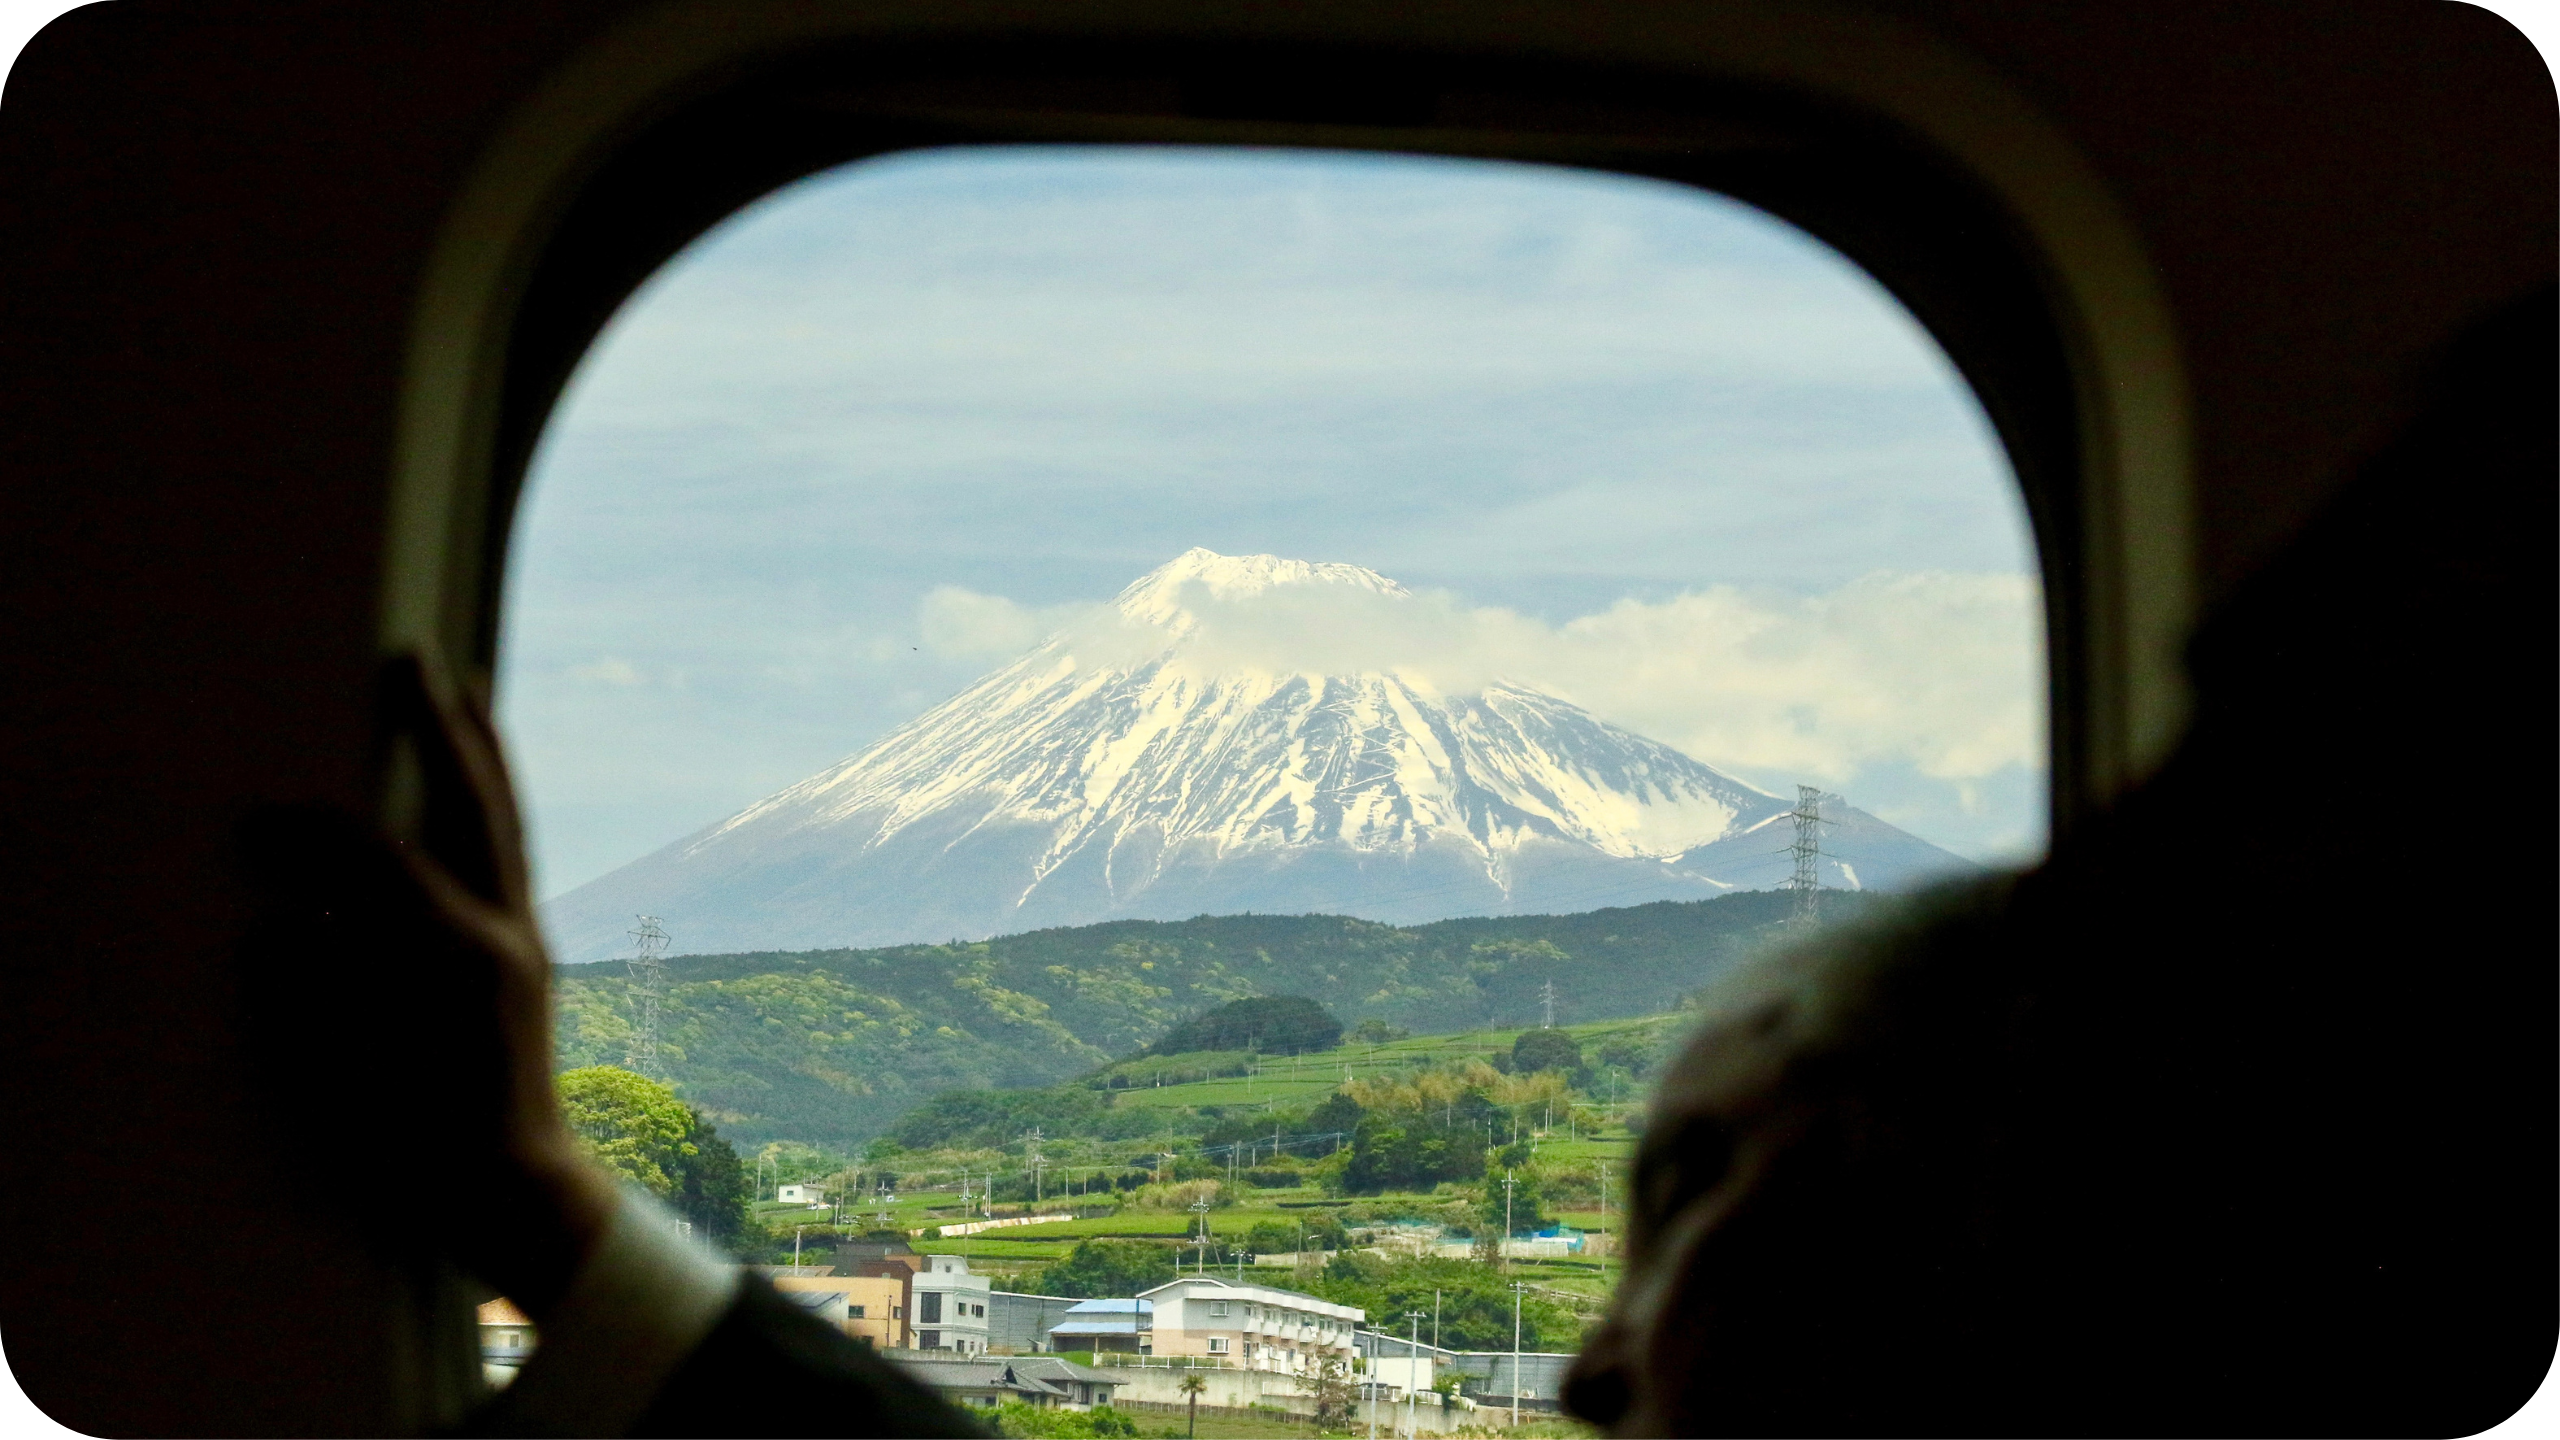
(869, 1308)
(950, 1306)
(1252, 1327)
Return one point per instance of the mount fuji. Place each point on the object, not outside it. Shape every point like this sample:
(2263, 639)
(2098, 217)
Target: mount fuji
(1138, 766)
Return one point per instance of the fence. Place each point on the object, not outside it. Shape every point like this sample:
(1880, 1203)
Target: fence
(1132, 1361)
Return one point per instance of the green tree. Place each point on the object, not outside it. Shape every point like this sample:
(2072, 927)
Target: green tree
(1413, 1152)
(1505, 972)
(629, 1123)
(1015, 1418)
(1333, 1392)
(1538, 1050)
(1192, 1386)
(1271, 1024)
(1526, 1213)
(1107, 1269)
(1338, 1112)
(1271, 1237)
(711, 1186)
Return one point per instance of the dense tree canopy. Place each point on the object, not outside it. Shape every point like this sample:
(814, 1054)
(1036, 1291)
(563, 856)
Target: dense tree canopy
(1338, 1112)
(1272, 1024)
(1415, 1151)
(996, 1118)
(638, 1129)
(1108, 1269)
(1538, 1050)
(1525, 1212)
(836, 1046)
(629, 1123)
(711, 1187)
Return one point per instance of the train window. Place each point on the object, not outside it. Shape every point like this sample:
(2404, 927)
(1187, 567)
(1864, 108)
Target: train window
(1254, 625)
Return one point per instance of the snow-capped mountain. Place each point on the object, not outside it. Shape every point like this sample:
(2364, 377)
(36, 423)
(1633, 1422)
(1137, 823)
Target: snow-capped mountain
(1131, 768)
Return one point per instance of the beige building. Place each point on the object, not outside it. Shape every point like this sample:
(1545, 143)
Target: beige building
(1251, 1327)
(875, 1306)
(506, 1340)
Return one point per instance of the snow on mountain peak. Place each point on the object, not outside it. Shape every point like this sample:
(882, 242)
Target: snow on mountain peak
(1236, 732)
(1170, 595)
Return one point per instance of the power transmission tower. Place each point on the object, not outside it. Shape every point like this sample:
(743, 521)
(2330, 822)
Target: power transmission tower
(648, 972)
(1807, 849)
(1031, 1160)
(1547, 997)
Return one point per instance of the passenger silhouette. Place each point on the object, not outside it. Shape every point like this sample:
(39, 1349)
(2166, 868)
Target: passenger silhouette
(2234, 1117)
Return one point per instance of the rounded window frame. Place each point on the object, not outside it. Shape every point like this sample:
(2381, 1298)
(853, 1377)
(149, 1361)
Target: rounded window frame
(1918, 165)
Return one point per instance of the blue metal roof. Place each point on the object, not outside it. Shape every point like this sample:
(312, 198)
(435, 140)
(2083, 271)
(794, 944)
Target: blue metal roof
(1112, 1307)
(1095, 1327)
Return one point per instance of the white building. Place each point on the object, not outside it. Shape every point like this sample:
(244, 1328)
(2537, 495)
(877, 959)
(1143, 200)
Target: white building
(948, 1307)
(1252, 1327)
(801, 1195)
(506, 1341)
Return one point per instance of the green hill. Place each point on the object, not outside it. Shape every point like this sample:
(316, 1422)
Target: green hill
(834, 1046)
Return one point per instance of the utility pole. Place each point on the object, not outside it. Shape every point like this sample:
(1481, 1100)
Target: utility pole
(1807, 850)
(1547, 997)
(1200, 1207)
(1608, 1237)
(1031, 1161)
(648, 975)
(795, 1245)
(1435, 1317)
(1413, 1336)
(1368, 1388)
(1504, 1249)
(1516, 1288)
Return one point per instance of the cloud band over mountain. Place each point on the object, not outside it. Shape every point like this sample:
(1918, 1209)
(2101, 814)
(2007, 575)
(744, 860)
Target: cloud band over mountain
(1933, 670)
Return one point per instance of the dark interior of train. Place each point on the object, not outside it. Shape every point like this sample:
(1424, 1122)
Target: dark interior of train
(2257, 296)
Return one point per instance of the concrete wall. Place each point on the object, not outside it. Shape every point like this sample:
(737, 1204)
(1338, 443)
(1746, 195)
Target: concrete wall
(1155, 1390)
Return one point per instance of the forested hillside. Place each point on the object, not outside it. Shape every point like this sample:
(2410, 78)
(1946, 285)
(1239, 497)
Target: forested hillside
(834, 1046)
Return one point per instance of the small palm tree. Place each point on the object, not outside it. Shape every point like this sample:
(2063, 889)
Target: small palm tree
(1192, 1387)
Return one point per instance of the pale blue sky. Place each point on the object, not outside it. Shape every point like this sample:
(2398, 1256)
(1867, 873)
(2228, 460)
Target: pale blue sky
(1036, 374)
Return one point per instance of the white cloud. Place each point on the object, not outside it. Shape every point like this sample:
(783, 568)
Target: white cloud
(962, 624)
(1939, 671)
(1935, 671)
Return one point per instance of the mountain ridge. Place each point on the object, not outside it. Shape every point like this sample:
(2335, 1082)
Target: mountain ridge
(835, 1045)
(1231, 734)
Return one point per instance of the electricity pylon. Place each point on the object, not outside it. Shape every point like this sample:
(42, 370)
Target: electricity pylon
(1807, 850)
(648, 971)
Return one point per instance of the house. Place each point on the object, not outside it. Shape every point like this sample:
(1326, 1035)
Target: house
(868, 1308)
(1120, 1326)
(1020, 1324)
(873, 1257)
(1487, 1376)
(826, 1305)
(950, 1306)
(801, 1195)
(979, 1382)
(1251, 1327)
(506, 1341)
(1084, 1386)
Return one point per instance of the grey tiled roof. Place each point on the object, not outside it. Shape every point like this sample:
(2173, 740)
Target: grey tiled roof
(1052, 1368)
(973, 1372)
